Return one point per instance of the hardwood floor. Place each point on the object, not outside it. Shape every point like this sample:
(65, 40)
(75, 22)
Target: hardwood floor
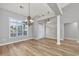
(42, 47)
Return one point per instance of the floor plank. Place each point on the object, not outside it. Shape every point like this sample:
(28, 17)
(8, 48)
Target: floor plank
(41, 47)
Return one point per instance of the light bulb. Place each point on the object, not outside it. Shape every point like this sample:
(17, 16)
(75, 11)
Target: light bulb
(31, 21)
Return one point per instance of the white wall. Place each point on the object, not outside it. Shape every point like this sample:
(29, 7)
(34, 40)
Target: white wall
(71, 15)
(36, 29)
(51, 28)
(44, 29)
(71, 31)
(51, 32)
(61, 29)
(40, 31)
(4, 25)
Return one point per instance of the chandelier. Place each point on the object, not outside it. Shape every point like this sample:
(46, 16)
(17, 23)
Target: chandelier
(29, 18)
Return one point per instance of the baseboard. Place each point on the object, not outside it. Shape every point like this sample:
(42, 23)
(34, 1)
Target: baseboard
(77, 41)
(73, 39)
(46, 37)
(15, 41)
(51, 38)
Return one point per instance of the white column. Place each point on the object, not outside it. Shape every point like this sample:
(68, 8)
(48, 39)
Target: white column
(58, 30)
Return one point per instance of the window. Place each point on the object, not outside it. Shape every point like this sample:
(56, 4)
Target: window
(25, 29)
(17, 28)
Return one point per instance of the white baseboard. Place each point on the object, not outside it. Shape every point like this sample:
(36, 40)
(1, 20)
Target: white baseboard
(2, 44)
(77, 41)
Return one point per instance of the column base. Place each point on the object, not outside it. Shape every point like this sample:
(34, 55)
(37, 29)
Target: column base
(58, 43)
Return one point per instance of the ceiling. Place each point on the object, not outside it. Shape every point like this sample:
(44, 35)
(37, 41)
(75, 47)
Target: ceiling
(62, 5)
(71, 13)
(36, 9)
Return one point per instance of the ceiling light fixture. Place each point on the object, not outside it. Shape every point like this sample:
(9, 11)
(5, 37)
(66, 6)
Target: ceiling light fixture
(29, 19)
(21, 7)
(48, 21)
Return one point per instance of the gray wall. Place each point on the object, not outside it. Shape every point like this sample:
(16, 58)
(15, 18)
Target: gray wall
(71, 31)
(71, 15)
(4, 26)
(40, 31)
(51, 28)
(51, 32)
(61, 29)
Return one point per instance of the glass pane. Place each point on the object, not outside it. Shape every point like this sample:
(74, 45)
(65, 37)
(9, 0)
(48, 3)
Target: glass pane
(24, 29)
(17, 27)
(13, 31)
(19, 30)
